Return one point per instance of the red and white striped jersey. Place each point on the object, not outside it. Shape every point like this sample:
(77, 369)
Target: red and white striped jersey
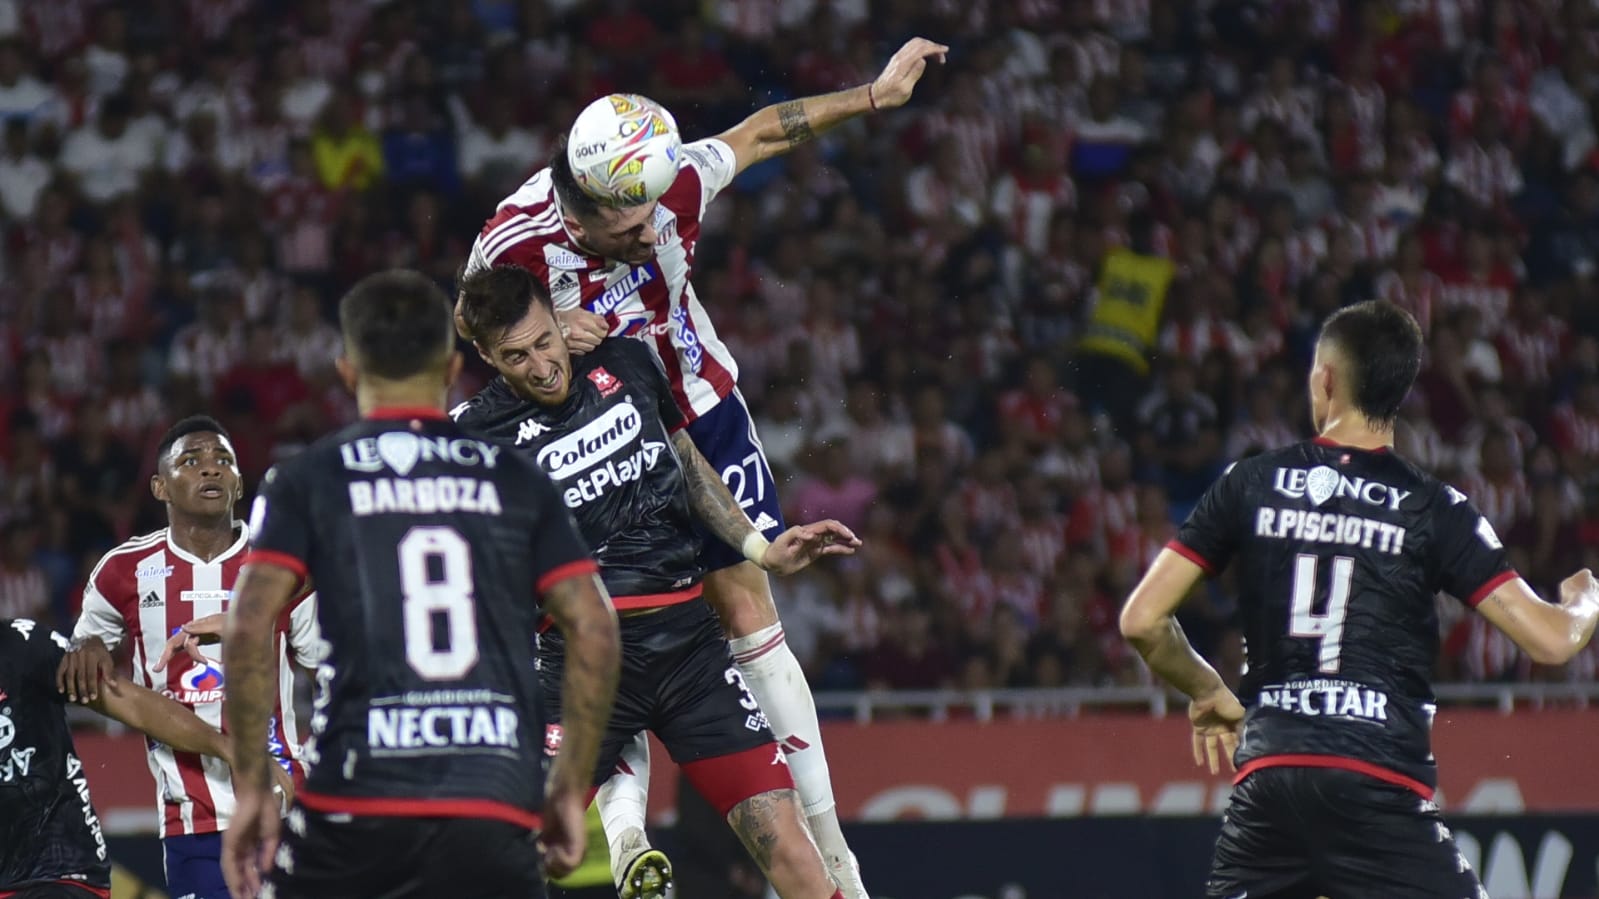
(1502, 502)
(1487, 175)
(653, 301)
(1488, 292)
(1531, 353)
(1574, 432)
(144, 590)
(1419, 300)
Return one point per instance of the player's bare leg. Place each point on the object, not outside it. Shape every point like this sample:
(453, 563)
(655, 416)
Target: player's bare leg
(777, 839)
(742, 598)
(639, 870)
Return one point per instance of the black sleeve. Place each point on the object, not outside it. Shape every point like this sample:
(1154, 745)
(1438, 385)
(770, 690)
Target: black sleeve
(41, 650)
(1470, 561)
(280, 522)
(1210, 535)
(648, 365)
(557, 550)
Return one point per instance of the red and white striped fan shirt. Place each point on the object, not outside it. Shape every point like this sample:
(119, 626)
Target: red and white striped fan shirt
(1419, 300)
(653, 301)
(144, 590)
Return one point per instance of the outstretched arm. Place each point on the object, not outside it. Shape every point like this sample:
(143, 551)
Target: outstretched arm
(716, 508)
(160, 718)
(776, 129)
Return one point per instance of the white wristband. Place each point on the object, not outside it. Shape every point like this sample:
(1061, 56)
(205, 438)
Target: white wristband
(755, 547)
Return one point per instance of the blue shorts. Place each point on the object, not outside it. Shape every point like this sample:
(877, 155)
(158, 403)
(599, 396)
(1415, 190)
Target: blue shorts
(726, 438)
(194, 866)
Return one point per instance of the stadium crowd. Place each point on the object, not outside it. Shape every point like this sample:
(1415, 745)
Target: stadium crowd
(186, 191)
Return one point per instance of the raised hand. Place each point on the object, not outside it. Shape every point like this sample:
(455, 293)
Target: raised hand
(893, 87)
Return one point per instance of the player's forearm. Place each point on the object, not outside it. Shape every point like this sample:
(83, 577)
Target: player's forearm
(161, 719)
(262, 592)
(588, 684)
(712, 502)
(1168, 653)
(247, 657)
(781, 127)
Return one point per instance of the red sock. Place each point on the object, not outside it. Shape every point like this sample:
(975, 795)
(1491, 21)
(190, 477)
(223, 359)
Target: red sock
(839, 894)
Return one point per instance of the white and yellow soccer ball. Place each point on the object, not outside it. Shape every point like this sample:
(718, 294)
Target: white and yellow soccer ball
(624, 150)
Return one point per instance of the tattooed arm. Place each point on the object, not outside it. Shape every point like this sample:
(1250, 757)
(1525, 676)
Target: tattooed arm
(262, 593)
(716, 508)
(776, 129)
(582, 611)
(712, 502)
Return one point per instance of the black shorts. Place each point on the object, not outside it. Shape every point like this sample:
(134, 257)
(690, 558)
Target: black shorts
(344, 857)
(61, 889)
(679, 682)
(1300, 833)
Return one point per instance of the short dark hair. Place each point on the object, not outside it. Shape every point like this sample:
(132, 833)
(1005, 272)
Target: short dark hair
(1382, 344)
(574, 201)
(494, 299)
(397, 324)
(194, 424)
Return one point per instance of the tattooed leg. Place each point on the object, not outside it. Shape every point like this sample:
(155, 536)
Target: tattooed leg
(774, 833)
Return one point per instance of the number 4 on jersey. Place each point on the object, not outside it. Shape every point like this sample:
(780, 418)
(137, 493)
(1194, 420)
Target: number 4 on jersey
(1328, 627)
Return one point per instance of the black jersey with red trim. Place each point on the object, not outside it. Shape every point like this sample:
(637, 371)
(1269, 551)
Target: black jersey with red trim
(608, 449)
(1337, 554)
(48, 828)
(429, 549)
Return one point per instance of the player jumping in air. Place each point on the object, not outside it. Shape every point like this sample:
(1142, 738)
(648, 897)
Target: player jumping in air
(152, 587)
(1338, 547)
(51, 846)
(605, 429)
(435, 556)
(626, 271)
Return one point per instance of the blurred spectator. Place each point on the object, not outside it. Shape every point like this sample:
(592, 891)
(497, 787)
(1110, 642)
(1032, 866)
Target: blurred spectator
(944, 316)
(24, 592)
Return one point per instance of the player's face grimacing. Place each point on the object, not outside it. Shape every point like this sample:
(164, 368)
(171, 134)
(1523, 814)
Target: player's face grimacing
(627, 235)
(199, 476)
(532, 357)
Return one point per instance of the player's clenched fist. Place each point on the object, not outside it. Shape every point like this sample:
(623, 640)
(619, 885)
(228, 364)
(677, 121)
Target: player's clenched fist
(1579, 588)
(893, 87)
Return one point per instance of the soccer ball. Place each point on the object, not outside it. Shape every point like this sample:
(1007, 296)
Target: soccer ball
(623, 150)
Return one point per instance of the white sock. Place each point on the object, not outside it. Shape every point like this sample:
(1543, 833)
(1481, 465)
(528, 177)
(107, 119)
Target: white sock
(775, 677)
(623, 798)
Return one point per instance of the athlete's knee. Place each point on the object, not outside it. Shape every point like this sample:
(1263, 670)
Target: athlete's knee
(742, 598)
(773, 831)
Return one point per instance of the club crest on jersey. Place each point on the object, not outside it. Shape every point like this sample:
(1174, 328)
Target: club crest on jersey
(1323, 483)
(605, 381)
(202, 682)
(552, 740)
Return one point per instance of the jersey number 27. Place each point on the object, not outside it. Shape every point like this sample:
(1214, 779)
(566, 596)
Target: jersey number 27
(1328, 625)
(436, 581)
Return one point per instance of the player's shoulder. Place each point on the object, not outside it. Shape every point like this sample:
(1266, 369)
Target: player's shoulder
(25, 635)
(124, 560)
(627, 353)
(484, 408)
